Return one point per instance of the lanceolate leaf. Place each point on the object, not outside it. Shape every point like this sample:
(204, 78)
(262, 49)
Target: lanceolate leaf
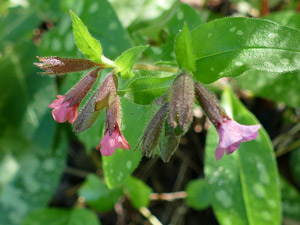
(183, 49)
(244, 185)
(230, 46)
(89, 46)
(126, 61)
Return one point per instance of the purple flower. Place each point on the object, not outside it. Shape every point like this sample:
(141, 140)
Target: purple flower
(231, 134)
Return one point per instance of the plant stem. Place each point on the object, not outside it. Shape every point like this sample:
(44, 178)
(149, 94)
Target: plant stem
(151, 218)
(155, 68)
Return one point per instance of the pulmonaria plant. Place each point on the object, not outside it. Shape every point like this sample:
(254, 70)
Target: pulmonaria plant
(175, 107)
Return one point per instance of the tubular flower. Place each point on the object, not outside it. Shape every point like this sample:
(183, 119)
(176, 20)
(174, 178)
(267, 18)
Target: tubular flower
(62, 111)
(231, 134)
(110, 142)
(65, 108)
(113, 137)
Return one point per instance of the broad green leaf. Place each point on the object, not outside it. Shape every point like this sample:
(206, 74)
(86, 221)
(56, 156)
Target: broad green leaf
(234, 45)
(290, 200)
(144, 90)
(277, 87)
(137, 191)
(244, 186)
(126, 61)
(198, 195)
(295, 164)
(30, 162)
(122, 163)
(183, 49)
(57, 216)
(89, 46)
(97, 195)
(17, 24)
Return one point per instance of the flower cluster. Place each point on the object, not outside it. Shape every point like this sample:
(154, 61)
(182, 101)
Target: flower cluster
(178, 103)
(65, 108)
(163, 133)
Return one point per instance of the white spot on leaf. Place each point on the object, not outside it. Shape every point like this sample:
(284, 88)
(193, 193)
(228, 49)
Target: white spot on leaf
(223, 197)
(239, 32)
(232, 29)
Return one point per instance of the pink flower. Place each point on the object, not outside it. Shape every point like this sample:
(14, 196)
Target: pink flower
(62, 111)
(112, 141)
(231, 134)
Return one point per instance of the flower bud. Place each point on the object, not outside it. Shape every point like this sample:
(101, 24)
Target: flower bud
(113, 115)
(104, 96)
(209, 104)
(57, 65)
(87, 116)
(182, 101)
(152, 133)
(107, 93)
(79, 91)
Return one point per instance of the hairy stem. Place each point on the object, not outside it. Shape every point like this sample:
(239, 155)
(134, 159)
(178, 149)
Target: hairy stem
(155, 68)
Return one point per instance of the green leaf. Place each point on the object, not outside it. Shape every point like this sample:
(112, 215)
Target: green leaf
(122, 163)
(89, 46)
(295, 164)
(198, 195)
(285, 18)
(30, 162)
(97, 195)
(183, 49)
(144, 90)
(244, 185)
(277, 87)
(137, 191)
(126, 61)
(234, 45)
(274, 86)
(163, 30)
(290, 200)
(56, 216)
(17, 24)
(131, 11)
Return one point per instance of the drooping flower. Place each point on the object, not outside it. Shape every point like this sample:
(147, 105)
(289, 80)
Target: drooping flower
(232, 134)
(65, 108)
(62, 112)
(110, 142)
(113, 137)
